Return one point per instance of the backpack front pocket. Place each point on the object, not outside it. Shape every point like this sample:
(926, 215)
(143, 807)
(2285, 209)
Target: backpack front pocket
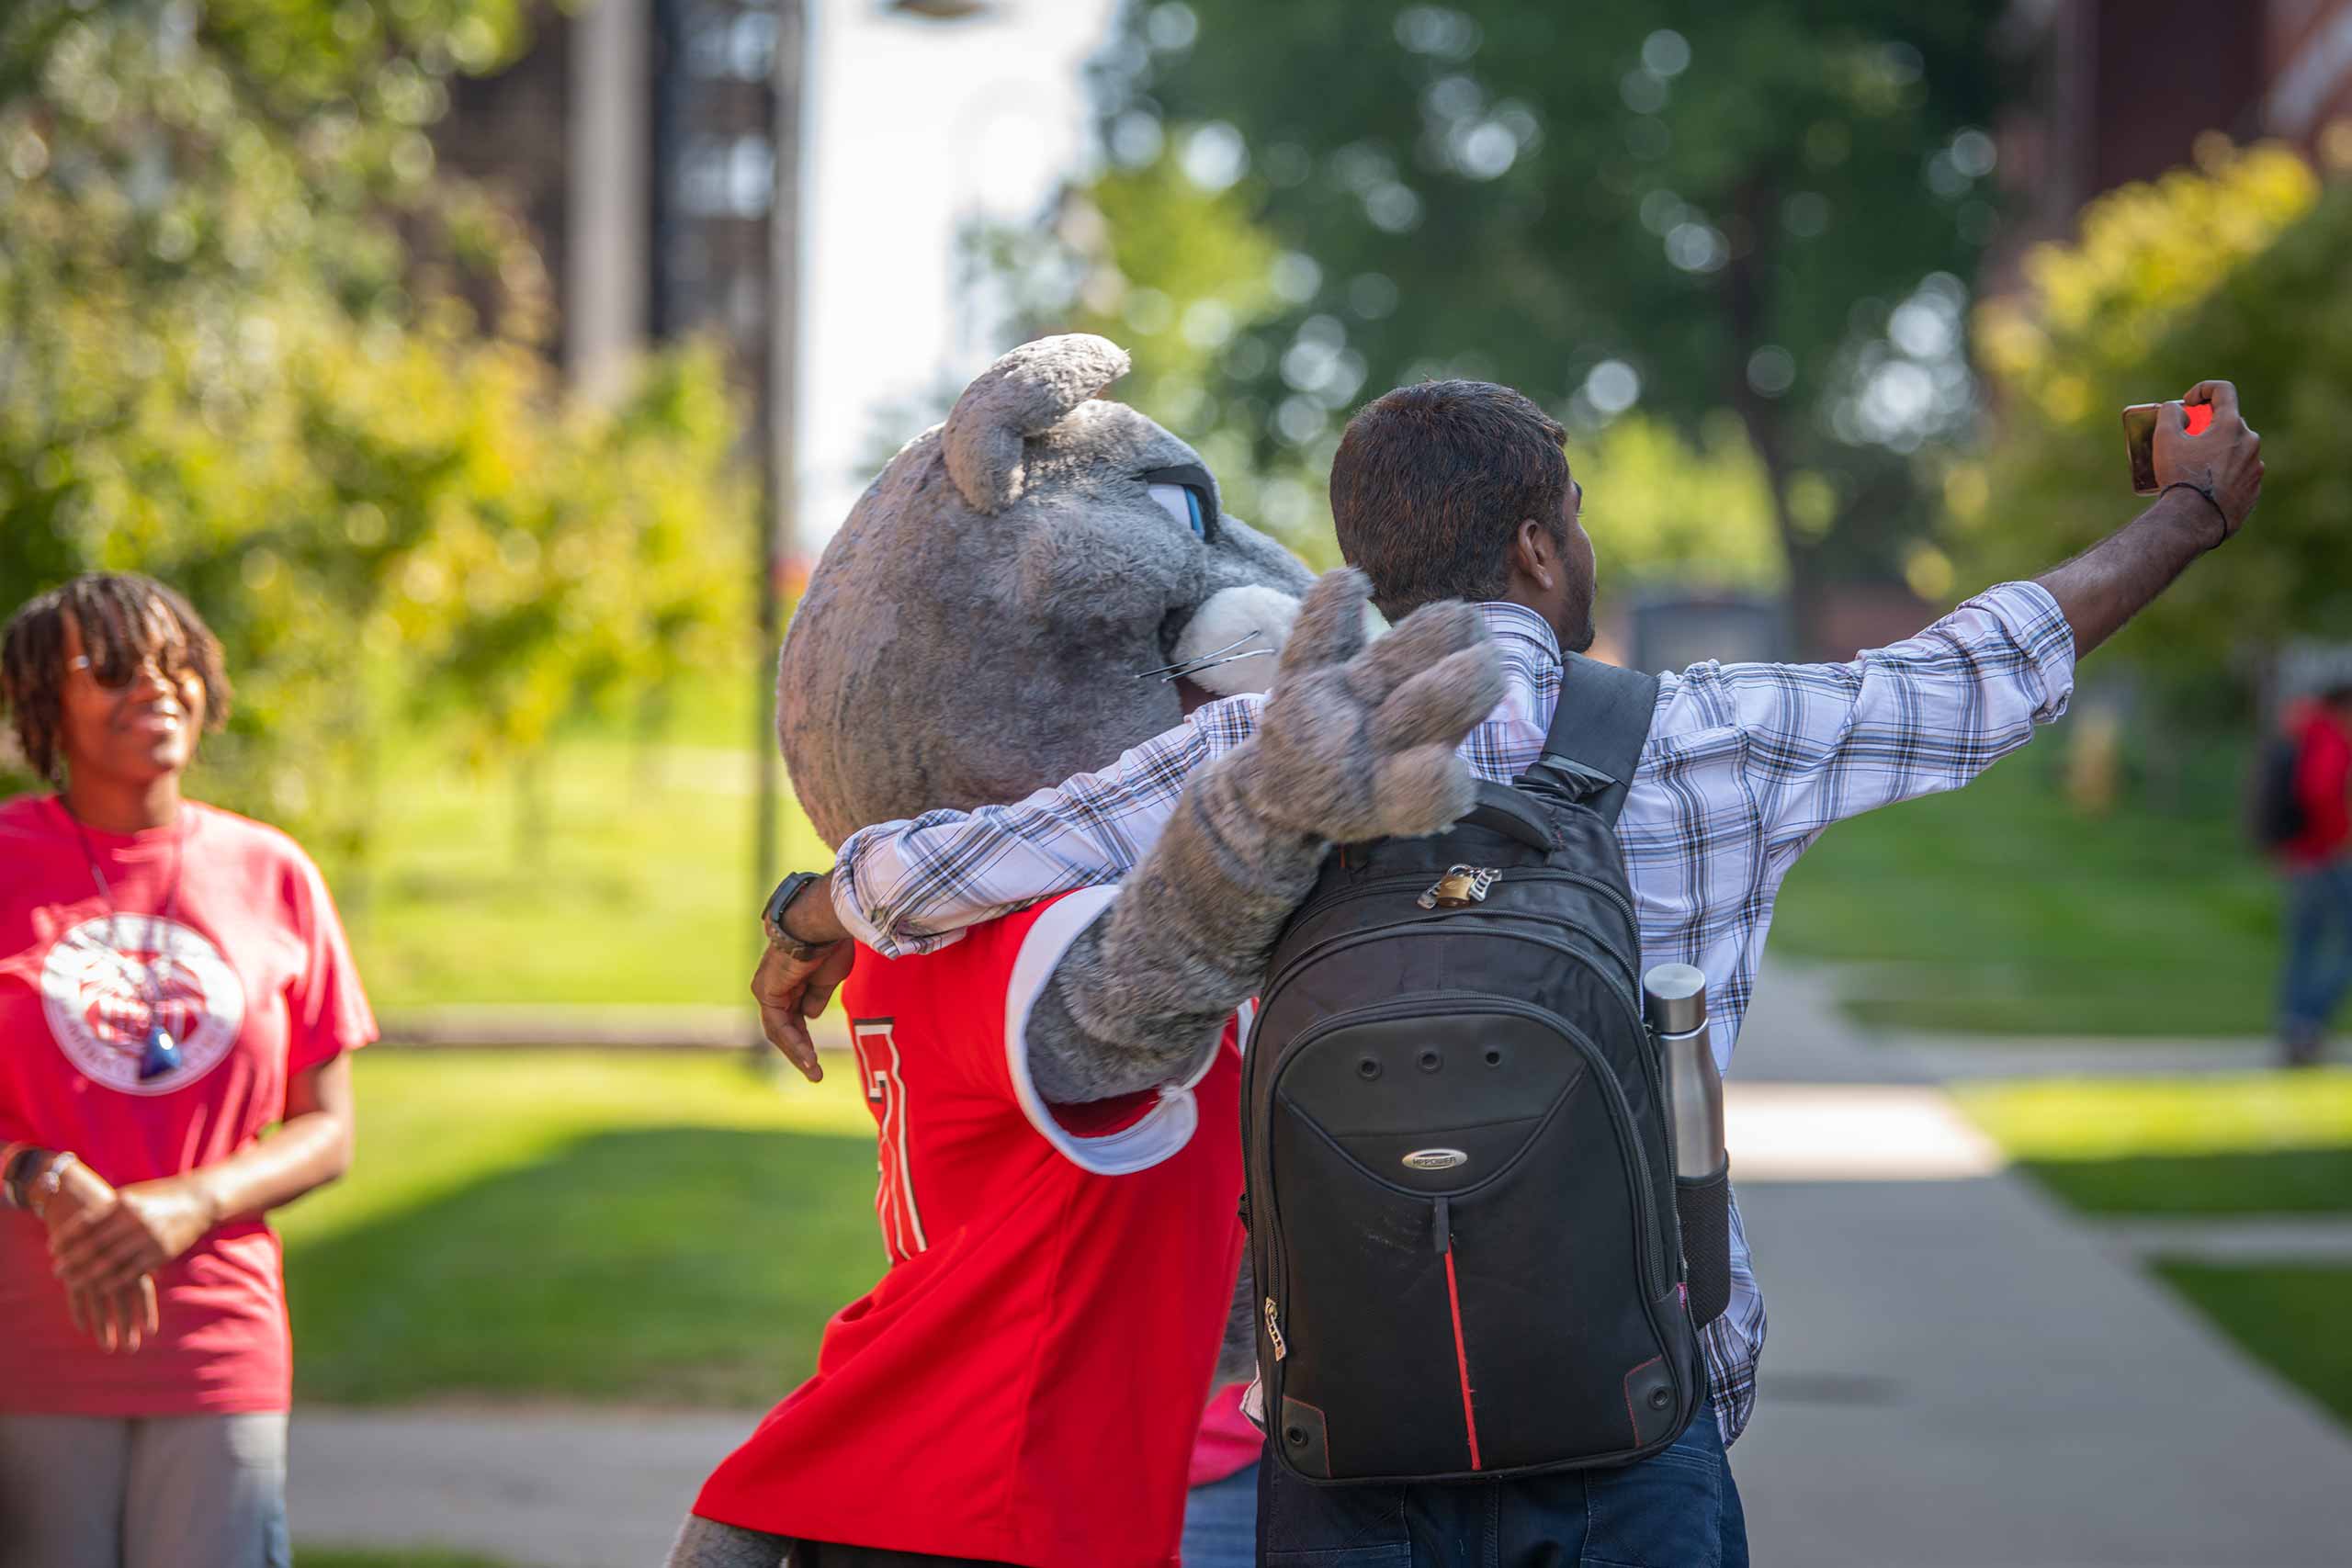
(1462, 1279)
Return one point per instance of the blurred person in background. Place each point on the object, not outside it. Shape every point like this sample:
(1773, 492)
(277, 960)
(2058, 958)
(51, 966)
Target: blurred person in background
(174, 979)
(2310, 829)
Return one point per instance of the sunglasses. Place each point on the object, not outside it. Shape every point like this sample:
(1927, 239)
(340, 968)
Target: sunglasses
(119, 675)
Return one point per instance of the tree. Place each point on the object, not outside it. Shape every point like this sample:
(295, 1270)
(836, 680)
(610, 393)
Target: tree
(1768, 211)
(252, 343)
(2130, 314)
(1183, 277)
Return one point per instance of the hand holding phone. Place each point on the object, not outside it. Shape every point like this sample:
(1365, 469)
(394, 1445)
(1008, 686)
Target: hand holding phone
(2140, 438)
(2202, 440)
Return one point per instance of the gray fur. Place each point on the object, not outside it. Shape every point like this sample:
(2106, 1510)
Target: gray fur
(1025, 394)
(1354, 744)
(707, 1543)
(950, 655)
(976, 631)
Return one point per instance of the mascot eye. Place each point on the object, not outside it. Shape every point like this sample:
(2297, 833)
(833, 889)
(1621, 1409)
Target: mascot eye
(1183, 504)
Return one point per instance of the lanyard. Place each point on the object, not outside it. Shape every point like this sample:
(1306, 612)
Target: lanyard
(159, 1052)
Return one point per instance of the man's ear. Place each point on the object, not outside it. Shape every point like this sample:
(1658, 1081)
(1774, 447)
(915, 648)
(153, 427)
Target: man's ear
(1534, 552)
(1025, 393)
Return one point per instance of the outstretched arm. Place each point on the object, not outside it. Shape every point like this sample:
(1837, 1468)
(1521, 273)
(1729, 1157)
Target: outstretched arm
(913, 885)
(2220, 475)
(1354, 744)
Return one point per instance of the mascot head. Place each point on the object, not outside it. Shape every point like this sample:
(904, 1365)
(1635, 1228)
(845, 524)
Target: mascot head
(1008, 601)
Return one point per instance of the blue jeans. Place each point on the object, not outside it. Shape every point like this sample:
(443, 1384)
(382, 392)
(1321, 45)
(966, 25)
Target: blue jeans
(1221, 1522)
(2319, 947)
(1676, 1509)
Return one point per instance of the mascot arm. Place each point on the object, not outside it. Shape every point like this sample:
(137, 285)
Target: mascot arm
(912, 885)
(1354, 744)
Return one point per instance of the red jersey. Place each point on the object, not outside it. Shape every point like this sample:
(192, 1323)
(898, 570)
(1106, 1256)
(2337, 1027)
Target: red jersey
(2324, 787)
(222, 929)
(1025, 1383)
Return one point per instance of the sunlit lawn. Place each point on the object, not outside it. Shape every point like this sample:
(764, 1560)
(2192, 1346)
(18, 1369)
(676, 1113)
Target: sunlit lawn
(2235, 1144)
(643, 892)
(2211, 1146)
(2003, 908)
(663, 1228)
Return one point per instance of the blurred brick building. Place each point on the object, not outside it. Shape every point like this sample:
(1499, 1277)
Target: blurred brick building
(2119, 90)
(632, 136)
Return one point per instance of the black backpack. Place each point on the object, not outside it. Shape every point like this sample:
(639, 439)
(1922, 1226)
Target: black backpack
(1460, 1196)
(2277, 803)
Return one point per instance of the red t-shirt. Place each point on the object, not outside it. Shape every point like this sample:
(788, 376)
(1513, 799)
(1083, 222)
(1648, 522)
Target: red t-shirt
(1025, 1383)
(2323, 785)
(247, 965)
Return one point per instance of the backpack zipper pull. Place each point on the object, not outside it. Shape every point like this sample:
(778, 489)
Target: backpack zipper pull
(1460, 887)
(1274, 1330)
(1441, 1231)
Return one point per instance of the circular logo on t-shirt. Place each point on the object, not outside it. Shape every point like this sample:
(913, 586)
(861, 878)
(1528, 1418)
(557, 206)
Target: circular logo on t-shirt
(109, 983)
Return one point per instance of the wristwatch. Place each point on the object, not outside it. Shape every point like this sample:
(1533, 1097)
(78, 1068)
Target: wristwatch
(772, 917)
(16, 1162)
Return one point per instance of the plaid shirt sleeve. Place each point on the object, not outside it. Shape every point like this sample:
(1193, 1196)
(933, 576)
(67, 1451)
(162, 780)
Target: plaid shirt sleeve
(912, 887)
(1818, 743)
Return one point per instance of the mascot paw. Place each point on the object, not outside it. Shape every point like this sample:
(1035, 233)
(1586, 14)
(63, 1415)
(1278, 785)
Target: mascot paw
(1358, 742)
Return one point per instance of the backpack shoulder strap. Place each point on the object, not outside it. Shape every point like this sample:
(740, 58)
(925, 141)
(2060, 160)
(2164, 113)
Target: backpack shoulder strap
(1596, 737)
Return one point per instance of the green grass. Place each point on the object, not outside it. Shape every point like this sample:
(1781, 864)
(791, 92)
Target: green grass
(654, 1228)
(2237, 1144)
(2002, 909)
(643, 892)
(2288, 1318)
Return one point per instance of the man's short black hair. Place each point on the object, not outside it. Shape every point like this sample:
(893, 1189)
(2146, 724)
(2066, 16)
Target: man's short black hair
(1432, 483)
(124, 619)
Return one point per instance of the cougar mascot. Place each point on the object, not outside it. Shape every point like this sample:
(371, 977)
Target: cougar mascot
(1041, 581)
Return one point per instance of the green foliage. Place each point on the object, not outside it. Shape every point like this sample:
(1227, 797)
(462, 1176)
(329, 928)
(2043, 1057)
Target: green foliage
(2131, 313)
(242, 349)
(1768, 211)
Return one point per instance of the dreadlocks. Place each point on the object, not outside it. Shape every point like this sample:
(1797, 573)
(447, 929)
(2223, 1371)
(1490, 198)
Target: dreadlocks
(125, 619)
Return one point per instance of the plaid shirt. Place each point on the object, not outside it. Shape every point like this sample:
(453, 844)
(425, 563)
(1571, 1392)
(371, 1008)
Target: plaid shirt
(1745, 765)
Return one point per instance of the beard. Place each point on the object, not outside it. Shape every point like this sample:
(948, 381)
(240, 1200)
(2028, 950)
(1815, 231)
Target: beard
(1580, 628)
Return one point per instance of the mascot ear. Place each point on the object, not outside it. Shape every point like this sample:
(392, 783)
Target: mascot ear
(1025, 393)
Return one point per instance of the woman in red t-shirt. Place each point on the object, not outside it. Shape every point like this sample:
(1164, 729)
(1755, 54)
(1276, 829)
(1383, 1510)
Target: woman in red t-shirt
(173, 980)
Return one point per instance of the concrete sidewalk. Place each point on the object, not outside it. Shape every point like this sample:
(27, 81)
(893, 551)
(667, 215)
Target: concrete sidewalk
(1959, 1375)
(548, 1488)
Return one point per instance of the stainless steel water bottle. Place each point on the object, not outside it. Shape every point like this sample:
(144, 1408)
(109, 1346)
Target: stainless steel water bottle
(1675, 997)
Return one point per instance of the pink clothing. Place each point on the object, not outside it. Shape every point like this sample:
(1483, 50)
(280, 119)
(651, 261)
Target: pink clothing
(1228, 1442)
(222, 933)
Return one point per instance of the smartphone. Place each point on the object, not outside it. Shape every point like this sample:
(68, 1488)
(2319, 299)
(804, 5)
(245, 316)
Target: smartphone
(2140, 439)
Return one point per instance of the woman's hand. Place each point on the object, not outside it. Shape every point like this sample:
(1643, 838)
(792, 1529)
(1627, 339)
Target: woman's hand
(106, 1249)
(119, 1318)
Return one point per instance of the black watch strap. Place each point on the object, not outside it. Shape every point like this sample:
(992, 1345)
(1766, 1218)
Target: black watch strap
(781, 900)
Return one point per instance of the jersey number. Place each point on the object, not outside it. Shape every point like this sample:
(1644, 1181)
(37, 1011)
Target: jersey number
(886, 1091)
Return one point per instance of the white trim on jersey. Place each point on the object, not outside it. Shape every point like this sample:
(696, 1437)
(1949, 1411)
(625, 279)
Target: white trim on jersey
(894, 1194)
(1163, 1130)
